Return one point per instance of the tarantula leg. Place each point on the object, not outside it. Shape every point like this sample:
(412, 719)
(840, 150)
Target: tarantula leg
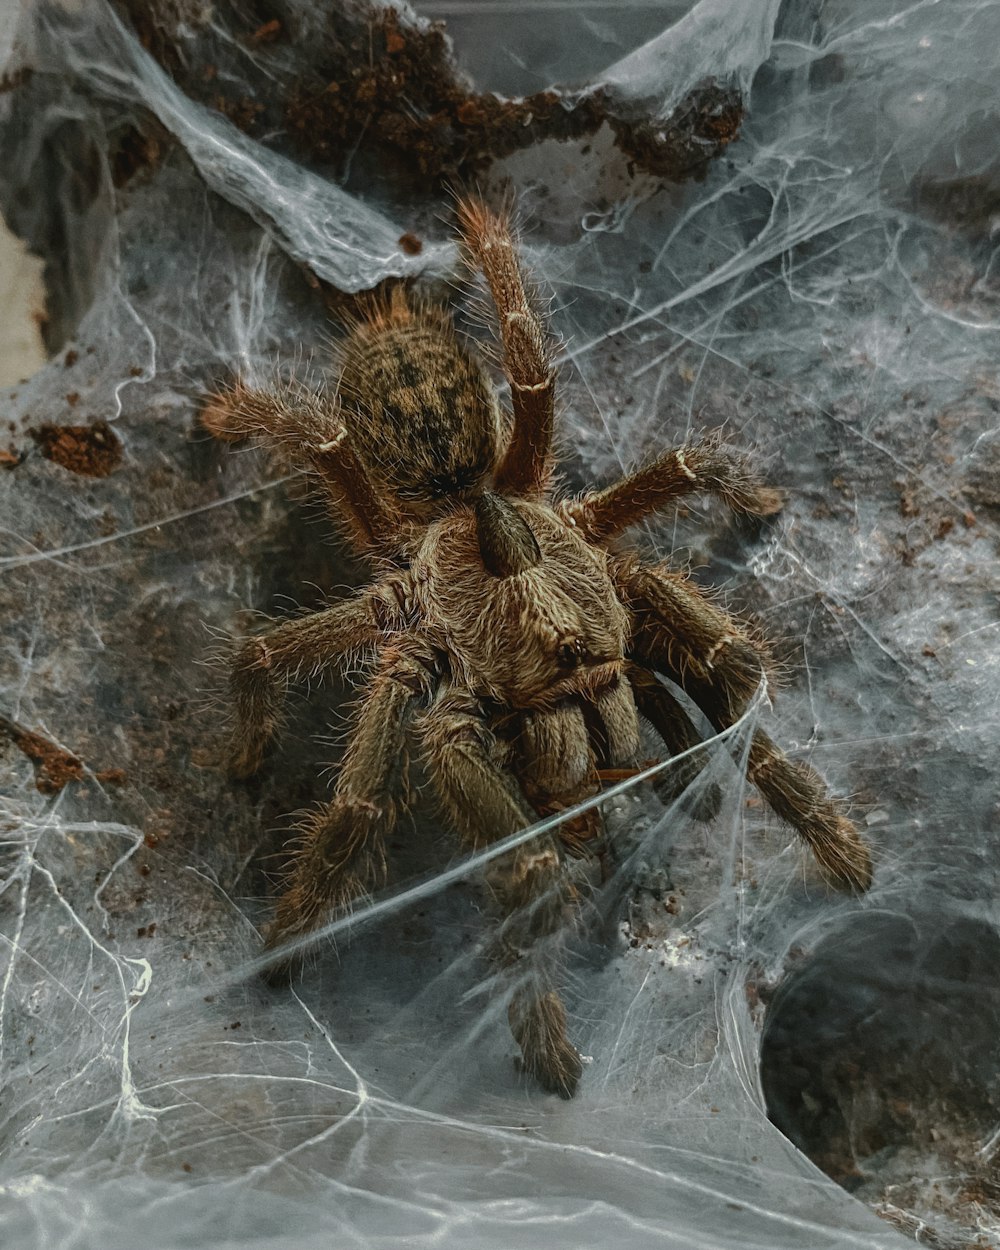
(799, 795)
(538, 1022)
(539, 896)
(676, 630)
(701, 466)
(534, 891)
(558, 753)
(340, 855)
(658, 706)
(555, 763)
(307, 425)
(297, 649)
(613, 722)
(480, 798)
(527, 464)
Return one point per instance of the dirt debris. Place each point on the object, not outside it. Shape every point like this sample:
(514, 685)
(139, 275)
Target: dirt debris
(372, 84)
(55, 767)
(90, 450)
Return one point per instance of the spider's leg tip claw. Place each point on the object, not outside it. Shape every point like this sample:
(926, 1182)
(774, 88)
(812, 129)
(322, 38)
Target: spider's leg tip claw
(567, 1081)
(218, 418)
(560, 1073)
(241, 770)
(770, 501)
(846, 860)
(556, 1075)
(280, 970)
(539, 1028)
(279, 974)
(285, 965)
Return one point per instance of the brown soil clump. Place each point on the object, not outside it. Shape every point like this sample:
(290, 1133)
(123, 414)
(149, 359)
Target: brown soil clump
(90, 450)
(405, 94)
(373, 85)
(54, 766)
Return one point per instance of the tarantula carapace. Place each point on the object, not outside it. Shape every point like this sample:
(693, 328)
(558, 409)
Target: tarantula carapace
(512, 638)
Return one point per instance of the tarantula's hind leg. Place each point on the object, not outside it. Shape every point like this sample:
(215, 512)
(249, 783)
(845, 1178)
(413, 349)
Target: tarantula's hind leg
(534, 889)
(678, 631)
(340, 856)
(527, 463)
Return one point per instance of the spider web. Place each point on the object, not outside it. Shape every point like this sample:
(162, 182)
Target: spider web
(828, 292)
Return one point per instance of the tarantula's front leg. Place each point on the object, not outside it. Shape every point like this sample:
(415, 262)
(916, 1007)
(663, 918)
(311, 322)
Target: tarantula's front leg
(534, 891)
(701, 466)
(555, 763)
(307, 425)
(340, 856)
(296, 649)
(676, 630)
(527, 464)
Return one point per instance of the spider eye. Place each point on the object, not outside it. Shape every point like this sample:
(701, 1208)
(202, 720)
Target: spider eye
(569, 654)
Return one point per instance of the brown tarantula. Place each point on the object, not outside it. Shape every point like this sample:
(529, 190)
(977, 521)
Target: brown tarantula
(521, 641)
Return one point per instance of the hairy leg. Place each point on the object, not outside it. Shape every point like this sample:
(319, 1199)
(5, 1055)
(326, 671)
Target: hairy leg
(799, 795)
(527, 464)
(678, 631)
(535, 893)
(613, 721)
(307, 425)
(301, 648)
(701, 466)
(658, 706)
(561, 755)
(553, 759)
(340, 856)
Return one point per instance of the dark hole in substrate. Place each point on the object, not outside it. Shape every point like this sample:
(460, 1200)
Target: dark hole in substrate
(886, 1037)
(67, 226)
